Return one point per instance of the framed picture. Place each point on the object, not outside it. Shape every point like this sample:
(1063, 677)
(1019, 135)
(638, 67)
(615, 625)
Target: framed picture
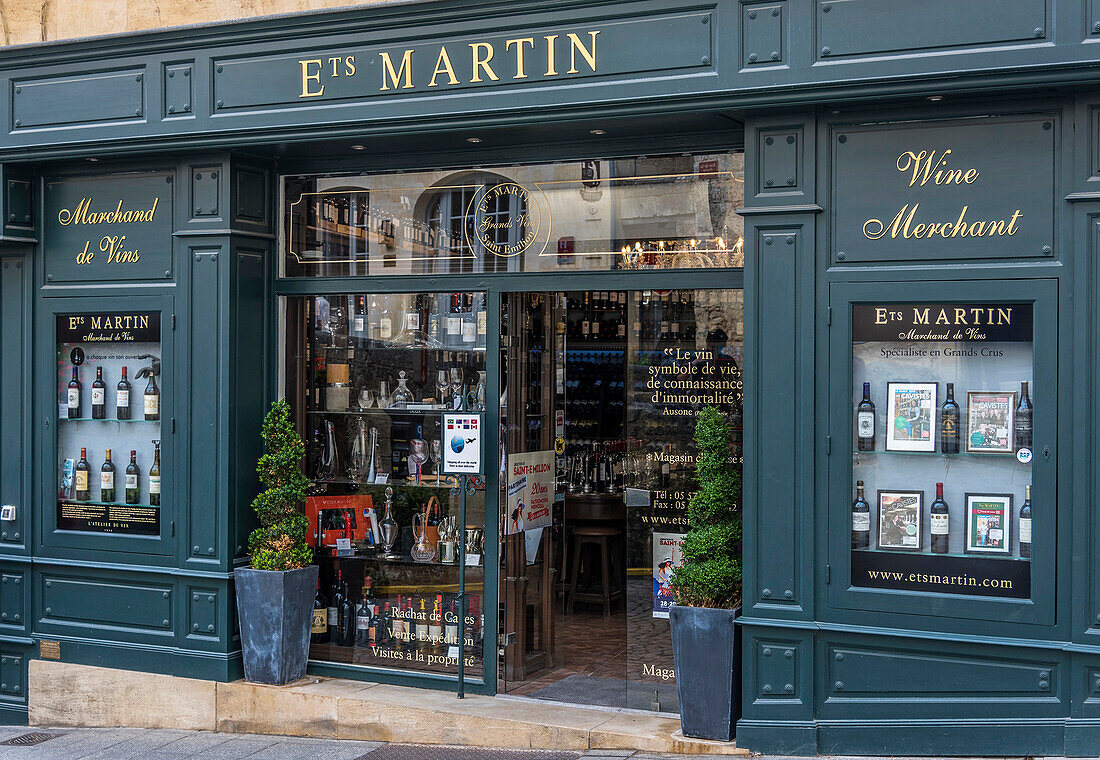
(988, 523)
(899, 520)
(989, 419)
(911, 414)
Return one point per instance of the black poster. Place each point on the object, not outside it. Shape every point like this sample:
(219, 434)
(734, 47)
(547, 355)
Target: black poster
(943, 574)
(966, 322)
(109, 327)
(133, 519)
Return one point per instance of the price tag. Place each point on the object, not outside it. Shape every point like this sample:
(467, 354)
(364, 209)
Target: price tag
(343, 547)
(473, 560)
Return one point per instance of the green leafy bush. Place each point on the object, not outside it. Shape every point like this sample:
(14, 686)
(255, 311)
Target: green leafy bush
(711, 573)
(280, 541)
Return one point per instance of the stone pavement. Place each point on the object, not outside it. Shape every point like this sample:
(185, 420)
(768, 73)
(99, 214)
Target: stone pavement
(172, 744)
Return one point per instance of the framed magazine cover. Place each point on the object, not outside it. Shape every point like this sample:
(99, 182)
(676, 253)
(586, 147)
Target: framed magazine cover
(900, 516)
(988, 523)
(990, 416)
(911, 416)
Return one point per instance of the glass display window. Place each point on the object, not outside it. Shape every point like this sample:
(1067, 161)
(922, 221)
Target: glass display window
(369, 376)
(950, 476)
(108, 372)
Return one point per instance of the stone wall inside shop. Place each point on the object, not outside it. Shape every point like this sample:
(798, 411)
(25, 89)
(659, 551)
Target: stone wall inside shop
(24, 21)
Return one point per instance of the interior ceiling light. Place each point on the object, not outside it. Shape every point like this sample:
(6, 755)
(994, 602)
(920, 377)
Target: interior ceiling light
(357, 146)
(597, 131)
(935, 98)
(93, 160)
(474, 140)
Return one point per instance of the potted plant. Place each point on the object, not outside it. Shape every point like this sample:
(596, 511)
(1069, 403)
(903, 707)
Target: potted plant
(706, 643)
(275, 595)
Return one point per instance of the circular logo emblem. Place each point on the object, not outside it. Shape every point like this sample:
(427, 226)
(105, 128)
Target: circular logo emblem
(76, 356)
(976, 439)
(1024, 455)
(899, 423)
(457, 444)
(506, 219)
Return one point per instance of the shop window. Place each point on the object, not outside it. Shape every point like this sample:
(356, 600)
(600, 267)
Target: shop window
(944, 403)
(663, 212)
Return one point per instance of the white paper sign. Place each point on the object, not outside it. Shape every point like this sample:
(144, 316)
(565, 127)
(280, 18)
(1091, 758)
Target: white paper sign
(461, 443)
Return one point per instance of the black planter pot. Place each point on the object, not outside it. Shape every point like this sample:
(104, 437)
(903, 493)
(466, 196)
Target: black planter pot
(275, 609)
(706, 645)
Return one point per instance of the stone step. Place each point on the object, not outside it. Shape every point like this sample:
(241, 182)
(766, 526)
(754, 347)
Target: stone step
(63, 694)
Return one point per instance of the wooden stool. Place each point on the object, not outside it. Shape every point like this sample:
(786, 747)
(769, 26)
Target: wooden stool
(605, 540)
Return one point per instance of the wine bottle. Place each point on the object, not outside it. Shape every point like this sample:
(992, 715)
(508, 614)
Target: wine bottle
(861, 520)
(380, 625)
(334, 598)
(398, 625)
(99, 396)
(152, 398)
(423, 644)
(586, 319)
(949, 423)
(385, 321)
(122, 398)
(435, 624)
(364, 611)
(1025, 524)
(450, 630)
(865, 421)
(346, 624)
(940, 523)
(81, 477)
(154, 476)
(133, 490)
(73, 396)
(107, 479)
(454, 322)
(482, 320)
(1023, 419)
(318, 630)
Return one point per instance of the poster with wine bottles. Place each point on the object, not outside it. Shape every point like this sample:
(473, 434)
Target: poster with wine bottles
(942, 399)
(108, 432)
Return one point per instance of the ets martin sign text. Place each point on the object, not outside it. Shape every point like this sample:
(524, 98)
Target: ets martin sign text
(673, 43)
(981, 189)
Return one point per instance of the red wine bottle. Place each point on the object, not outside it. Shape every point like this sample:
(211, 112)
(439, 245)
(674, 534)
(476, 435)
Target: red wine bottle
(941, 523)
(865, 421)
(861, 520)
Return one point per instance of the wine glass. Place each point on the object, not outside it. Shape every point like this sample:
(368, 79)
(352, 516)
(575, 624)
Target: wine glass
(456, 387)
(442, 387)
(417, 457)
(384, 398)
(435, 455)
(366, 398)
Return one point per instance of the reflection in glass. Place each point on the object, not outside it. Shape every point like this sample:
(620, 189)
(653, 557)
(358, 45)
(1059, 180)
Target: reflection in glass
(657, 212)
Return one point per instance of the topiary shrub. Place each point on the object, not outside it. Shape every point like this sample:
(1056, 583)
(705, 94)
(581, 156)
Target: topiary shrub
(280, 541)
(711, 573)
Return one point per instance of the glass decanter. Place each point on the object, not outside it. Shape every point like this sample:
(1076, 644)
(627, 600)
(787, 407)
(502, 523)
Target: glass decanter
(402, 396)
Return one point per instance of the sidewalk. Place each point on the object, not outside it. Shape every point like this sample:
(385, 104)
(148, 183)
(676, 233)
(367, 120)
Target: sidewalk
(172, 744)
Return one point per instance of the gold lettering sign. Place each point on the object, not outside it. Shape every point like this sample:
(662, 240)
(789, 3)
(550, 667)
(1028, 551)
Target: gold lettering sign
(482, 61)
(113, 245)
(932, 169)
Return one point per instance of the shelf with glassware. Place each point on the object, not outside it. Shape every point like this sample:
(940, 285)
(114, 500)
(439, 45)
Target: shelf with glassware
(114, 413)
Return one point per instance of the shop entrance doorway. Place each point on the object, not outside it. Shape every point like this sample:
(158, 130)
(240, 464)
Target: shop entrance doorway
(600, 389)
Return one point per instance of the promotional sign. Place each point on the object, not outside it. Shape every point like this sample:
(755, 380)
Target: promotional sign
(461, 443)
(531, 490)
(667, 558)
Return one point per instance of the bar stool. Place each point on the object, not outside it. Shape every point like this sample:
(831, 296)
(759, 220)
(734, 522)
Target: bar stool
(605, 541)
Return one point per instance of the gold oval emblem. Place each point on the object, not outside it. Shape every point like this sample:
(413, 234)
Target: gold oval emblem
(506, 219)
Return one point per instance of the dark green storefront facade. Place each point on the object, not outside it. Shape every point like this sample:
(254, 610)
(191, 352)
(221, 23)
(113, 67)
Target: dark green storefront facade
(825, 97)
